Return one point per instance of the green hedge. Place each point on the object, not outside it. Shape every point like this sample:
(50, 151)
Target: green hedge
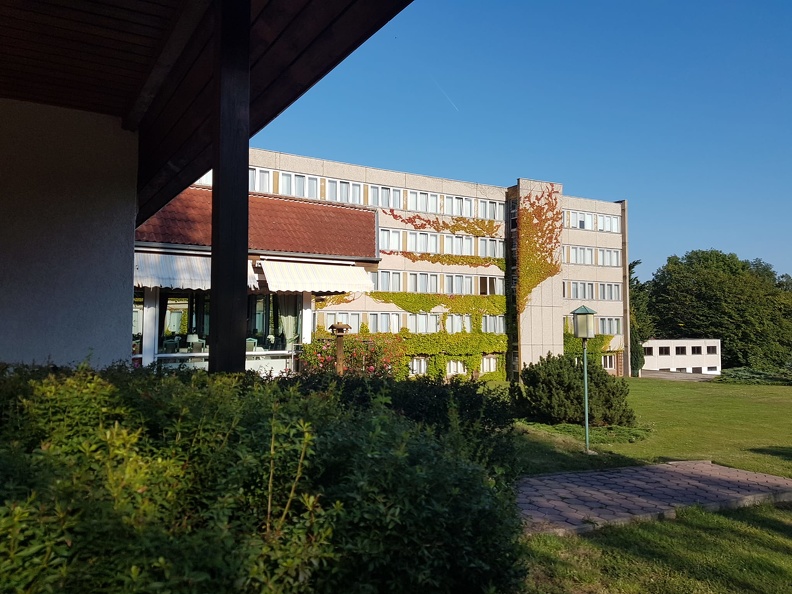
(127, 481)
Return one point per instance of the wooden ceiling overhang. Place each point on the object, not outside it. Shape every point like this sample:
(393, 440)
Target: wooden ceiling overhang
(150, 63)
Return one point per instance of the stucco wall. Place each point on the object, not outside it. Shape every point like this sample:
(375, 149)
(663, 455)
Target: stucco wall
(67, 195)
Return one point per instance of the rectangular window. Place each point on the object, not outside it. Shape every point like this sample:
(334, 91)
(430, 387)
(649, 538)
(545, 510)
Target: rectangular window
(695, 350)
(454, 367)
(418, 366)
(609, 223)
(609, 257)
(467, 245)
(374, 279)
(712, 350)
(610, 326)
(664, 351)
(412, 282)
(384, 281)
(489, 364)
(680, 350)
(423, 282)
(493, 324)
(390, 240)
(434, 203)
(299, 186)
(456, 323)
(384, 322)
(357, 194)
(648, 351)
(344, 191)
(286, 184)
(332, 190)
(412, 200)
(608, 362)
(313, 187)
(712, 369)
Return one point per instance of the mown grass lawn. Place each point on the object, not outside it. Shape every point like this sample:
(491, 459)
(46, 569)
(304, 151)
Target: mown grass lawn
(747, 427)
(739, 551)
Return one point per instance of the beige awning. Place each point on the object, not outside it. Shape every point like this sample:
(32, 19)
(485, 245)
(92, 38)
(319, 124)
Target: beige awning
(309, 277)
(179, 272)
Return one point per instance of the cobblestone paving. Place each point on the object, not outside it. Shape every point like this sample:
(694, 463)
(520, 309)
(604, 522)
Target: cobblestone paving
(573, 502)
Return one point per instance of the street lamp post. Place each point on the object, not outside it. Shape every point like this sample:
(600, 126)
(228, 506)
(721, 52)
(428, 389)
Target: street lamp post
(339, 330)
(583, 322)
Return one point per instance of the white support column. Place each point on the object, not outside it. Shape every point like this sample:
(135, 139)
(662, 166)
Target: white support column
(150, 324)
(307, 319)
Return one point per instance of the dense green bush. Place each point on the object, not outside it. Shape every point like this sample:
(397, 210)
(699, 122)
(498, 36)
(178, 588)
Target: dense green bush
(552, 392)
(99, 501)
(129, 481)
(482, 415)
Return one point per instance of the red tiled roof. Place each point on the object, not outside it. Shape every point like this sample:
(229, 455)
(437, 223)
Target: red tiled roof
(277, 223)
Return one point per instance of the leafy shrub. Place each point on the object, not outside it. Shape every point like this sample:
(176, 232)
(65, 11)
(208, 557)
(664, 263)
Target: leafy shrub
(199, 504)
(483, 415)
(418, 517)
(136, 481)
(552, 393)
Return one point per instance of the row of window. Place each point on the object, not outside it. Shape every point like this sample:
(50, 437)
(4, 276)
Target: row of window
(680, 350)
(684, 369)
(426, 282)
(610, 326)
(585, 290)
(420, 323)
(307, 186)
(430, 243)
(418, 366)
(605, 325)
(585, 255)
(592, 222)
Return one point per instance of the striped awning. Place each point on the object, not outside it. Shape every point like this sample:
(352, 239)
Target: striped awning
(283, 277)
(172, 271)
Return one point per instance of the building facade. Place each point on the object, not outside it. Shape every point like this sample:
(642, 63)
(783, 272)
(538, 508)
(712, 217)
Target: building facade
(492, 272)
(684, 355)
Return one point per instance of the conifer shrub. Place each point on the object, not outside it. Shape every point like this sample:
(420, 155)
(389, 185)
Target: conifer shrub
(552, 393)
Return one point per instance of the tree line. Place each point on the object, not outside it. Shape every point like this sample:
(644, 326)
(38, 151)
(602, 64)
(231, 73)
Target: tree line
(711, 294)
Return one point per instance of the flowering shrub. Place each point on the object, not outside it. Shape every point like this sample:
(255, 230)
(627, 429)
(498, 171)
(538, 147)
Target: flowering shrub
(373, 355)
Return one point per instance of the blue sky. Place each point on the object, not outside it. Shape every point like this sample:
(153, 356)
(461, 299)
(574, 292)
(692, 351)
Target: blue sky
(683, 108)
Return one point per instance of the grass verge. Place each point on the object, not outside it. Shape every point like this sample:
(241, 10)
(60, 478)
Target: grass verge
(735, 552)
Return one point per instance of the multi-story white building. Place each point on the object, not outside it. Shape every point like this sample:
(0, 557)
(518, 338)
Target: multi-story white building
(456, 257)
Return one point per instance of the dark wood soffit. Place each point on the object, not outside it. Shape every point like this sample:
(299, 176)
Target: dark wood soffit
(176, 150)
(93, 55)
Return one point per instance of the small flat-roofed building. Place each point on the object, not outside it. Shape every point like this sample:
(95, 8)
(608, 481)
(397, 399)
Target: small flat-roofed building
(684, 355)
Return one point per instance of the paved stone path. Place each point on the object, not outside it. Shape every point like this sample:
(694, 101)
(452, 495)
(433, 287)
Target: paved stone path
(573, 502)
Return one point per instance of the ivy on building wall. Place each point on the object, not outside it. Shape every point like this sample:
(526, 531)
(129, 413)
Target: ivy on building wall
(451, 260)
(390, 354)
(477, 227)
(331, 300)
(539, 220)
(596, 346)
(490, 305)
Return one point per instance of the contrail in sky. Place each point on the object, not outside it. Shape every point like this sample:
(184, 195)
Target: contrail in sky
(444, 93)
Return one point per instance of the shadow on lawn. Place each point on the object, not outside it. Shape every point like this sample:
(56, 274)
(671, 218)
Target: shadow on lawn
(540, 452)
(785, 453)
(744, 550)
